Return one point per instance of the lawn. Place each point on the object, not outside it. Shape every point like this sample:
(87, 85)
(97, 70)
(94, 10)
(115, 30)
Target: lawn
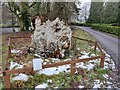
(78, 33)
(5, 42)
(88, 74)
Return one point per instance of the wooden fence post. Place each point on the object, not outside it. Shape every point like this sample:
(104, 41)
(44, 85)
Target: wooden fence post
(73, 68)
(102, 59)
(95, 46)
(9, 48)
(7, 81)
(9, 52)
(8, 56)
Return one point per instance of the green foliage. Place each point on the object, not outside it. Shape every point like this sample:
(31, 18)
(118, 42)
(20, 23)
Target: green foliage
(18, 84)
(107, 28)
(95, 12)
(25, 14)
(60, 80)
(63, 10)
(110, 12)
(1, 83)
(36, 9)
(118, 17)
(7, 26)
(101, 71)
(104, 12)
(92, 76)
(21, 11)
(36, 80)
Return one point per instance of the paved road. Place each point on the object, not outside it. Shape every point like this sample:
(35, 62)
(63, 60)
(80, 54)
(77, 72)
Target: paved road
(109, 43)
(8, 30)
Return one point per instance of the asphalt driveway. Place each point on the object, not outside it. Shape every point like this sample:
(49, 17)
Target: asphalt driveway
(107, 42)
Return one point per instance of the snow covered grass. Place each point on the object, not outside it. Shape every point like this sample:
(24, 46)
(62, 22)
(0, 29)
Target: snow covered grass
(21, 77)
(88, 74)
(55, 70)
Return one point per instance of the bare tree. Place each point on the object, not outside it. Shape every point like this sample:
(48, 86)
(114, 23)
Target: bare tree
(84, 12)
(20, 10)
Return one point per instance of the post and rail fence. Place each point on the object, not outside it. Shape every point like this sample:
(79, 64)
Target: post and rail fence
(7, 73)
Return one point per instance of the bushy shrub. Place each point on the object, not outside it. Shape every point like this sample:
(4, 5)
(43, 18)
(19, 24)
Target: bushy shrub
(8, 26)
(107, 28)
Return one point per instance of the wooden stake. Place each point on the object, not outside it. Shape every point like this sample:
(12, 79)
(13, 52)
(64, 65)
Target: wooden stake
(9, 48)
(95, 46)
(7, 81)
(102, 60)
(9, 52)
(73, 69)
(8, 56)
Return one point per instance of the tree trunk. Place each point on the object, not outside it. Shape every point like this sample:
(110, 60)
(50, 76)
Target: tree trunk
(21, 24)
(52, 39)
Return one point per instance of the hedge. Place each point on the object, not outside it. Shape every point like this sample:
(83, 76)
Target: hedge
(7, 26)
(107, 28)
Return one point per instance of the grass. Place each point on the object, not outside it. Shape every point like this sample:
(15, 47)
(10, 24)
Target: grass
(84, 46)
(82, 34)
(21, 42)
(64, 79)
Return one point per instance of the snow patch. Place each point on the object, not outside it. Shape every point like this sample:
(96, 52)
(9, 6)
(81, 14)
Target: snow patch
(14, 51)
(54, 70)
(44, 85)
(80, 86)
(21, 77)
(109, 82)
(109, 86)
(78, 48)
(85, 55)
(90, 66)
(37, 55)
(81, 65)
(14, 64)
(50, 81)
(96, 84)
(105, 76)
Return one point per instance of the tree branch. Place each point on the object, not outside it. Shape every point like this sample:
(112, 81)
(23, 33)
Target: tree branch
(10, 8)
(32, 5)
